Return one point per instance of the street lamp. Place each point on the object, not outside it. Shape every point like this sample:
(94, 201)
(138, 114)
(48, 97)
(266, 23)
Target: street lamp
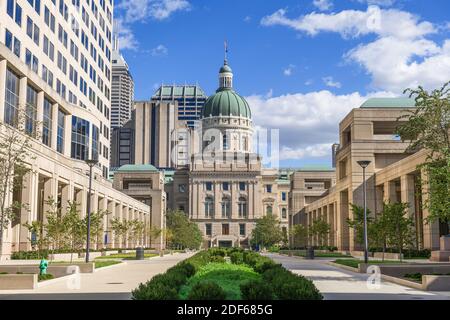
(364, 164)
(91, 163)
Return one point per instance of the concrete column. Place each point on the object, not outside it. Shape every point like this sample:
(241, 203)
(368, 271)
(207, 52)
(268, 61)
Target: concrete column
(68, 135)
(199, 201)
(54, 126)
(3, 68)
(193, 200)
(217, 201)
(29, 198)
(110, 215)
(251, 192)
(50, 191)
(430, 230)
(40, 112)
(408, 193)
(66, 195)
(389, 192)
(234, 200)
(23, 82)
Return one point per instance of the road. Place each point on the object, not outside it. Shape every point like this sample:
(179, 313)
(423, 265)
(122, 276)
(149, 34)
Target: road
(338, 284)
(112, 283)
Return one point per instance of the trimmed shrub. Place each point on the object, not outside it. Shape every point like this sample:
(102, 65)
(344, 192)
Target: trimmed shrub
(256, 290)
(237, 257)
(218, 259)
(43, 277)
(206, 290)
(217, 252)
(262, 266)
(155, 291)
(301, 289)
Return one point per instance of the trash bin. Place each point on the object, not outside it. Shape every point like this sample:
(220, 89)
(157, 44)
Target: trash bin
(139, 253)
(309, 253)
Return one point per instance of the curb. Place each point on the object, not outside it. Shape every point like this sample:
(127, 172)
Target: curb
(340, 266)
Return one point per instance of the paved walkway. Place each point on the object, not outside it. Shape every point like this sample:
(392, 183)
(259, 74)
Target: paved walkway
(112, 283)
(338, 284)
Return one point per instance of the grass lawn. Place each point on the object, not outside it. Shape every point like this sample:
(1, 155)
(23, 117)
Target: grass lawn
(228, 276)
(302, 253)
(354, 262)
(101, 264)
(125, 256)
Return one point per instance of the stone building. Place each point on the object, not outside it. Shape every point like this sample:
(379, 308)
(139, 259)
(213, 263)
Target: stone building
(368, 133)
(225, 189)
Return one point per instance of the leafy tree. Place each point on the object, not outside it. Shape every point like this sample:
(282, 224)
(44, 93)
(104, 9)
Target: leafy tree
(267, 232)
(379, 232)
(75, 228)
(136, 231)
(321, 229)
(15, 146)
(400, 227)
(55, 229)
(428, 127)
(357, 223)
(96, 226)
(300, 234)
(153, 233)
(120, 229)
(37, 239)
(185, 233)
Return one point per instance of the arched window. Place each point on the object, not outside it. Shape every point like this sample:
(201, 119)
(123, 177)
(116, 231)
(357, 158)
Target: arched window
(209, 207)
(225, 141)
(226, 206)
(269, 210)
(244, 143)
(242, 204)
(284, 213)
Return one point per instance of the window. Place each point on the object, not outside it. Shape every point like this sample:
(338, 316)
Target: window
(242, 186)
(60, 133)
(225, 186)
(225, 141)
(36, 4)
(284, 213)
(208, 186)
(47, 123)
(11, 98)
(62, 35)
(33, 30)
(80, 138)
(47, 76)
(18, 14)
(209, 207)
(242, 229)
(208, 229)
(62, 63)
(225, 229)
(283, 196)
(95, 137)
(17, 47)
(31, 111)
(269, 210)
(73, 50)
(49, 48)
(10, 8)
(182, 188)
(8, 39)
(226, 208)
(49, 19)
(242, 207)
(269, 188)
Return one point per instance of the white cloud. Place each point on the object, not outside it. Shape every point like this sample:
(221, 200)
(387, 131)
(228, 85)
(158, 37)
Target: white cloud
(385, 3)
(141, 10)
(329, 82)
(288, 71)
(159, 51)
(247, 19)
(127, 40)
(307, 122)
(401, 55)
(323, 5)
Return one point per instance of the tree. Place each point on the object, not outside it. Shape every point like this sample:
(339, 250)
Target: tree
(153, 233)
(428, 127)
(15, 146)
(300, 235)
(37, 239)
(379, 232)
(96, 226)
(55, 229)
(185, 233)
(136, 231)
(267, 232)
(321, 229)
(357, 224)
(400, 227)
(120, 229)
(75, 228)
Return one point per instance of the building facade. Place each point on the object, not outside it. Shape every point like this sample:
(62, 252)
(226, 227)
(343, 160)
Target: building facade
(55, 67)
(190, 100)
(122, 92)
(368, 133)
(225, 189)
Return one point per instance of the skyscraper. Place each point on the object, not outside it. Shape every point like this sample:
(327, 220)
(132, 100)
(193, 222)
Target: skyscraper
(190, 99)
(122, 92)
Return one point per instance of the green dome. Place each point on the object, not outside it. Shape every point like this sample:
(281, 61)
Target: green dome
(225, 68)
(136, 167)
(226, 102)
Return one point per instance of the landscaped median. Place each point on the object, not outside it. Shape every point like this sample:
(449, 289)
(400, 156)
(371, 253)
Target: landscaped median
(227, 274)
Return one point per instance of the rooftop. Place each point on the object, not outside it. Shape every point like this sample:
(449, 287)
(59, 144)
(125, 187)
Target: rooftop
(389, 103)
(137, 167)
(177, 91)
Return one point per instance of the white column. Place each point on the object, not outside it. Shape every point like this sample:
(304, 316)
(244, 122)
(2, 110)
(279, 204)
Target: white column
(23, 93)
(3, 68)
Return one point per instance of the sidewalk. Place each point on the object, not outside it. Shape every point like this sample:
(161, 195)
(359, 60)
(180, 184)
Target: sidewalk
(338, 284)
(111, 283)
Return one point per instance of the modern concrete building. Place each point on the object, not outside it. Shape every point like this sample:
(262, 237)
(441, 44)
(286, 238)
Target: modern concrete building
(145, 184)
(368, 133)
(189, 98)
(225, 189)
(122, 93)
(55, 64)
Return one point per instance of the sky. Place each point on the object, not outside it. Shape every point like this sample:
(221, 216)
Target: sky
(302, 65)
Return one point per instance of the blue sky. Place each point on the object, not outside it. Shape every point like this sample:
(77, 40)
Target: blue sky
(303, 65)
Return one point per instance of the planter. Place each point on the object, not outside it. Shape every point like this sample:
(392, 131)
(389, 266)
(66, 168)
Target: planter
(435, 283)
(18, 281)
(388, 255)
(62, 256)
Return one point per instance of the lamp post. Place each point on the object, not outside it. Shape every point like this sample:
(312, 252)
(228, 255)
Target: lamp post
(91, 163)
(364, 164)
